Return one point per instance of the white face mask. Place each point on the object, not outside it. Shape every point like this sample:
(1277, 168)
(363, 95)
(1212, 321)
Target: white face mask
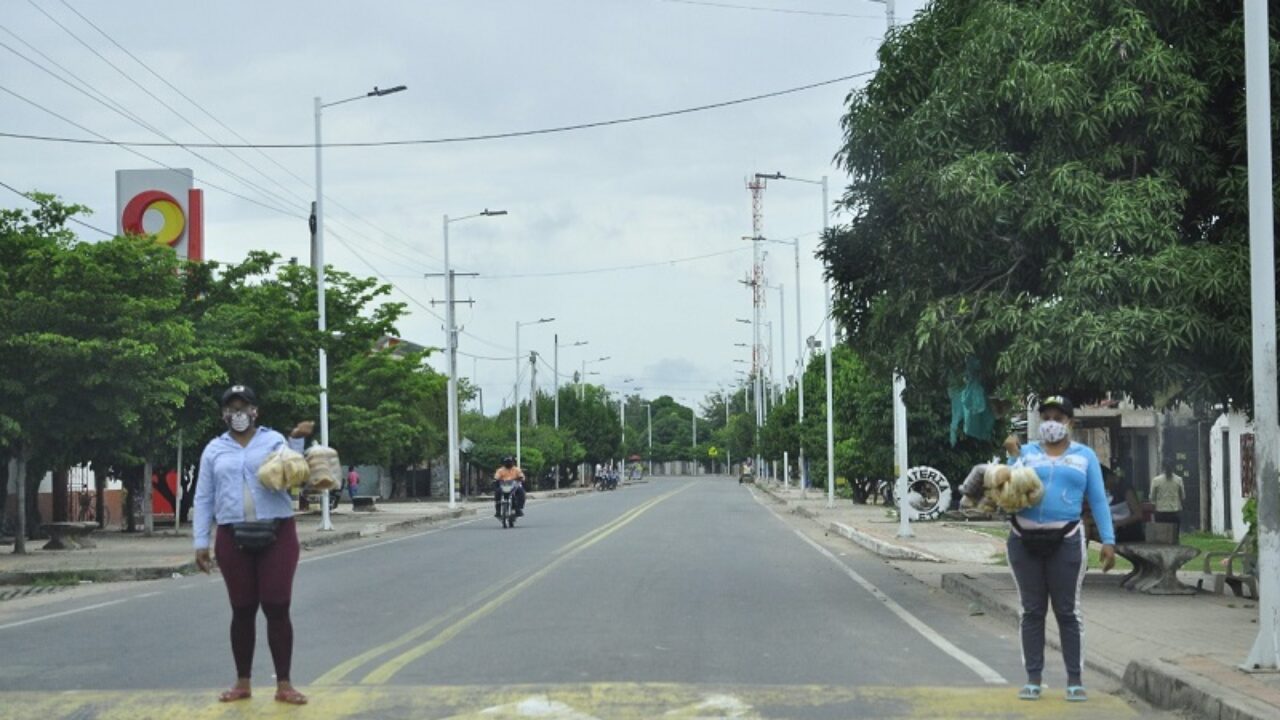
(239, 420)
(1052, 431)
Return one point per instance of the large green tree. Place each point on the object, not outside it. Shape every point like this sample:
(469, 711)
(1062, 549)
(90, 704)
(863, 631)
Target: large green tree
(1057, 188)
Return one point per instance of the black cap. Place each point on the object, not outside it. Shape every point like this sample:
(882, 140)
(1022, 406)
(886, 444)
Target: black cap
(244, 392)
(1058, 401)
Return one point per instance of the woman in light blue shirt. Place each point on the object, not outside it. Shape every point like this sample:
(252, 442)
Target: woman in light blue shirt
(228, 493)
(1046, 546)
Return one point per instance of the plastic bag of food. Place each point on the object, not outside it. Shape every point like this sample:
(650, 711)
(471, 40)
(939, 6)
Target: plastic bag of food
(283, 469)
(325, 468)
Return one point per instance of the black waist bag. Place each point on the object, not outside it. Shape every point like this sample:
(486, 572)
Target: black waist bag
(1043, 542)
(256, 535)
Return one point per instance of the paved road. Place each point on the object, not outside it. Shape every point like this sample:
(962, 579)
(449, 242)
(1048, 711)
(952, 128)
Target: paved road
(677, 598)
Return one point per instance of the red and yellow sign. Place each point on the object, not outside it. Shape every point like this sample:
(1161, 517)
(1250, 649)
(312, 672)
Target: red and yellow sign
(162, 204)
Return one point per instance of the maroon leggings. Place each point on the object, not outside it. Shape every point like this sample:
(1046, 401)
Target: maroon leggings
(264, 578)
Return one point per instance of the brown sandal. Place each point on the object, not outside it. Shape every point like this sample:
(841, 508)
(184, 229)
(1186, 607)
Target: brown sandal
(234, 694)
(291, 696)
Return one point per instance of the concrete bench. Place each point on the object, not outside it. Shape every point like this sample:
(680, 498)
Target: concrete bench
(69, 535)
(364, 503)
(1156, 562)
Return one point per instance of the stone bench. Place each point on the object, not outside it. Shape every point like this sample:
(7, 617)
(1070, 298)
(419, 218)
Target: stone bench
(1156, 562)
(69, 535)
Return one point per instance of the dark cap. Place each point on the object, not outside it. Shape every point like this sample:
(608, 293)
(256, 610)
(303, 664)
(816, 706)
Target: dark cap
(244, 392)
(1058, 401)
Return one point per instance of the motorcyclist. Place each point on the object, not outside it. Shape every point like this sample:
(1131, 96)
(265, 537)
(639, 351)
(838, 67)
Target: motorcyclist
(509, 472)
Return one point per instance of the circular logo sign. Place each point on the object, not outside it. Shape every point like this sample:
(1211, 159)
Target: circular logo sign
(173, 222)
(713, 451)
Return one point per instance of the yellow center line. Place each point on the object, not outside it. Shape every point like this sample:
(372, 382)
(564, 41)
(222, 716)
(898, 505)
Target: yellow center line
(342, 670)
(387, 670)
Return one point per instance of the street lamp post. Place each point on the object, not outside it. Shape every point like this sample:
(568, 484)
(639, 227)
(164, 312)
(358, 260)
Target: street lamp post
(555, 370)
(826, 287)
(318, 261)
(582, 381)
(451, 345)
(517, 382)
(648, 413)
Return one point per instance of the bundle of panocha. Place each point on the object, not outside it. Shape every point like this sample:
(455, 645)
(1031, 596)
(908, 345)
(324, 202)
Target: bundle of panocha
(1011, 489)
(283, 469)
(326, 468)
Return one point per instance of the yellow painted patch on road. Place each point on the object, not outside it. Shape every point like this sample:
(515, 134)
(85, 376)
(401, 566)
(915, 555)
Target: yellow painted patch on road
(604, 701)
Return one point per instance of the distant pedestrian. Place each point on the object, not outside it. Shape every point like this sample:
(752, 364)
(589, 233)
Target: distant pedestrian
(353, 482)
(1046, 546)
(256, 538)
(1168, 494)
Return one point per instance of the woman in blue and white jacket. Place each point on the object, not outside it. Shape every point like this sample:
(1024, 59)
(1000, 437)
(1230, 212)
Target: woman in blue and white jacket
(1046, 546)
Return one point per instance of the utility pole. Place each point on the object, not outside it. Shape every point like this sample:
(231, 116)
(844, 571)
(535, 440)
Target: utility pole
(757, 185)
(533, 388)
(1266, 647)
(451, 352)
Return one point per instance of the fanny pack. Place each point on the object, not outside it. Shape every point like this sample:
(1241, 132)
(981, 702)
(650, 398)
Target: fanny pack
(1043, 542)
(255, 535)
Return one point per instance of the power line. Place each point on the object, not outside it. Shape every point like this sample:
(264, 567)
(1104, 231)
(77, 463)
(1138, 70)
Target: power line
(72, 218)
(446, 140)
(248, 183)
(616, 268)
(144, 156)
(730, 6)
(231, 130)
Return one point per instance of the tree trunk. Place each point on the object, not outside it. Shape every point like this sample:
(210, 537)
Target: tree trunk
(99, 501)
(148, 518)
(19, 469)
(60, 480)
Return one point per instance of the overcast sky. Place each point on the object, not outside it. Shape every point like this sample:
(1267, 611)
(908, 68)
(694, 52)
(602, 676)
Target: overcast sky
(625, 195)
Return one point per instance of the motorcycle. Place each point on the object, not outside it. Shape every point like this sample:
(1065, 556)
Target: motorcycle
(611, 482)
(506, 503)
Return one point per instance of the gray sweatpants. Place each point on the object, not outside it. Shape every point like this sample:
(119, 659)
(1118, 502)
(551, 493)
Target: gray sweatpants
(1055, 579)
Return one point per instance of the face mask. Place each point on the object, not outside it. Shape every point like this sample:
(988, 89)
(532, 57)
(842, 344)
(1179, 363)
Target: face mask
(239, 420)
(1052, 431)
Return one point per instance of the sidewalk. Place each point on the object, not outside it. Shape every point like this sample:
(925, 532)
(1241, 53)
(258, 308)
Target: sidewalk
(1176, 652)
(123, 556)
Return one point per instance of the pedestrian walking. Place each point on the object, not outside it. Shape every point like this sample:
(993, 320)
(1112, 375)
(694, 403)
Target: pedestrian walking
(256, 539)
(1046, 546)
(353, 483)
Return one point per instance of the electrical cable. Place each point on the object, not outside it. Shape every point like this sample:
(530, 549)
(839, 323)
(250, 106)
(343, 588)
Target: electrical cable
(72, 218)
(231, 130)
(450, 140)
(730, 6)
(592, 271)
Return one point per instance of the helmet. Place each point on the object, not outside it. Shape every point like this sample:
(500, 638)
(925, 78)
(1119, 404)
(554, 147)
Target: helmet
(508, 461)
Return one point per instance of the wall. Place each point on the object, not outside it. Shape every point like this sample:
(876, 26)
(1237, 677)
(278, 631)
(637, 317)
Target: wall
(1225, 474)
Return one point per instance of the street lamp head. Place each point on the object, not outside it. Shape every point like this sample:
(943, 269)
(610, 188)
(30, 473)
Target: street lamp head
(771, 176)
(491, 213)
(744, 321)
(606, 357)
(378, 92)
(546, 320)
(741, 345)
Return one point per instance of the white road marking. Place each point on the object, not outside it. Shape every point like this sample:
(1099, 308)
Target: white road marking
(387, 542)
(64, 613)
(984, 671)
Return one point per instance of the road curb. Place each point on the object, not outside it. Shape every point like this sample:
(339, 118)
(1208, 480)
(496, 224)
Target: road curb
(867, 541)
(104, 575)
(883, 548)
(1167, 686)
